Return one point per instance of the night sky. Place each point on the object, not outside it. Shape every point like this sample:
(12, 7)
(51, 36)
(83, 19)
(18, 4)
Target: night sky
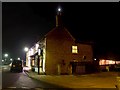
(25, 23)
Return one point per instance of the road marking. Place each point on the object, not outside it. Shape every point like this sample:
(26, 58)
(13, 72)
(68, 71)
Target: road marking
(21, 87)
(25, 87)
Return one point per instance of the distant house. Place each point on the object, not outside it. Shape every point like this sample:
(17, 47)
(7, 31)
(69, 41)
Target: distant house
(59, 53)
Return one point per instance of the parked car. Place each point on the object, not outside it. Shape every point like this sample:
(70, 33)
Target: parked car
(17, 66)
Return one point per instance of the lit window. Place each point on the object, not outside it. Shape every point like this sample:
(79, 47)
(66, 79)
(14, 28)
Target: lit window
(74, 49)
(33, 62)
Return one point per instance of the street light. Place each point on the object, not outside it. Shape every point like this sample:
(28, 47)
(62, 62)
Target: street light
(18, 58)
(11, 59)
(6, 55)
(95, 59)
(26, 49)
(59, 9)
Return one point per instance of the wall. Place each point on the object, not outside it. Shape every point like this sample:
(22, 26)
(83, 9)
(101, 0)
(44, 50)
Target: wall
(59, 47)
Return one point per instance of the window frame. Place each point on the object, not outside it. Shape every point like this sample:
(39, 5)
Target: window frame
(74, 49)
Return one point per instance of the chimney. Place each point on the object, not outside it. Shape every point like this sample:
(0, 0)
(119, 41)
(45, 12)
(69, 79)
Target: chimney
(58, 18)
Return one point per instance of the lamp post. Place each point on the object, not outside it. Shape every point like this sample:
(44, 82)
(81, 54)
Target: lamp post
(5, 55)
(26, 50)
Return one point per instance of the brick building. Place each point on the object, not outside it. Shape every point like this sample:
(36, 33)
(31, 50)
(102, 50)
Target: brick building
(59, 53)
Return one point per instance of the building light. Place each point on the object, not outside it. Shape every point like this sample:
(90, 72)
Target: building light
(36, 46)
(106, 62)
(44, 54)
(29, 62)
(31, 51)
(117, 62)
(33, 62)
(74, 49)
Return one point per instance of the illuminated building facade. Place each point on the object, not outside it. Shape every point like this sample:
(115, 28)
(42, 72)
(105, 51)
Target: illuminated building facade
(110, 64)
(59, 53)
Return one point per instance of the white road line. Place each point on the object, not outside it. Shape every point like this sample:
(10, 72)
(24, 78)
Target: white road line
(25, 87)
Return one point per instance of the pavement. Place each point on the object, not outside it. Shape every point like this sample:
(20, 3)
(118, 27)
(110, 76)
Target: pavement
(96, 80)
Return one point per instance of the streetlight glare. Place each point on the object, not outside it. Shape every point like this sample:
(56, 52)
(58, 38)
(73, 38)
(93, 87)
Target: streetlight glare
(6, 55)
(18, 58)
(95, 59)
(59, 9)
(11, 59)
(26, 49)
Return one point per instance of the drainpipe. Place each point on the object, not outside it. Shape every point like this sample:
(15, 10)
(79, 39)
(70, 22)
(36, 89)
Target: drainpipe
(38, 61)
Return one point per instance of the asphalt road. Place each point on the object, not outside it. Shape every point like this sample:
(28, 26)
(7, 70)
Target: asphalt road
(12, 80)
(21, 81)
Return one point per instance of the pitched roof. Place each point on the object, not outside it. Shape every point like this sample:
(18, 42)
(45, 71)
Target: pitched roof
(58, 30)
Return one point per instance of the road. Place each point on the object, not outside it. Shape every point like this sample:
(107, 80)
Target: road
(21, 80)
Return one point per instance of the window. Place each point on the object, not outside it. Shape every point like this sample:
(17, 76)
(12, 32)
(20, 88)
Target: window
(33, 62)
(74, 49)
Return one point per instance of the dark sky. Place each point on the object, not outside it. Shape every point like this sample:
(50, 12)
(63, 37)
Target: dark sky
(25, 23)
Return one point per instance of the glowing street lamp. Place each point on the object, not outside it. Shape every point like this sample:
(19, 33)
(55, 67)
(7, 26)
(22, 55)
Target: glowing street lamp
(6, 55)
(95, 59)
(11, 59)
(26, 49)
(18, 58)
(59, 9)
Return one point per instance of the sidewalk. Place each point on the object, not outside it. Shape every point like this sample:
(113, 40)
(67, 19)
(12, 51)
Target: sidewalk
(99, 80)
